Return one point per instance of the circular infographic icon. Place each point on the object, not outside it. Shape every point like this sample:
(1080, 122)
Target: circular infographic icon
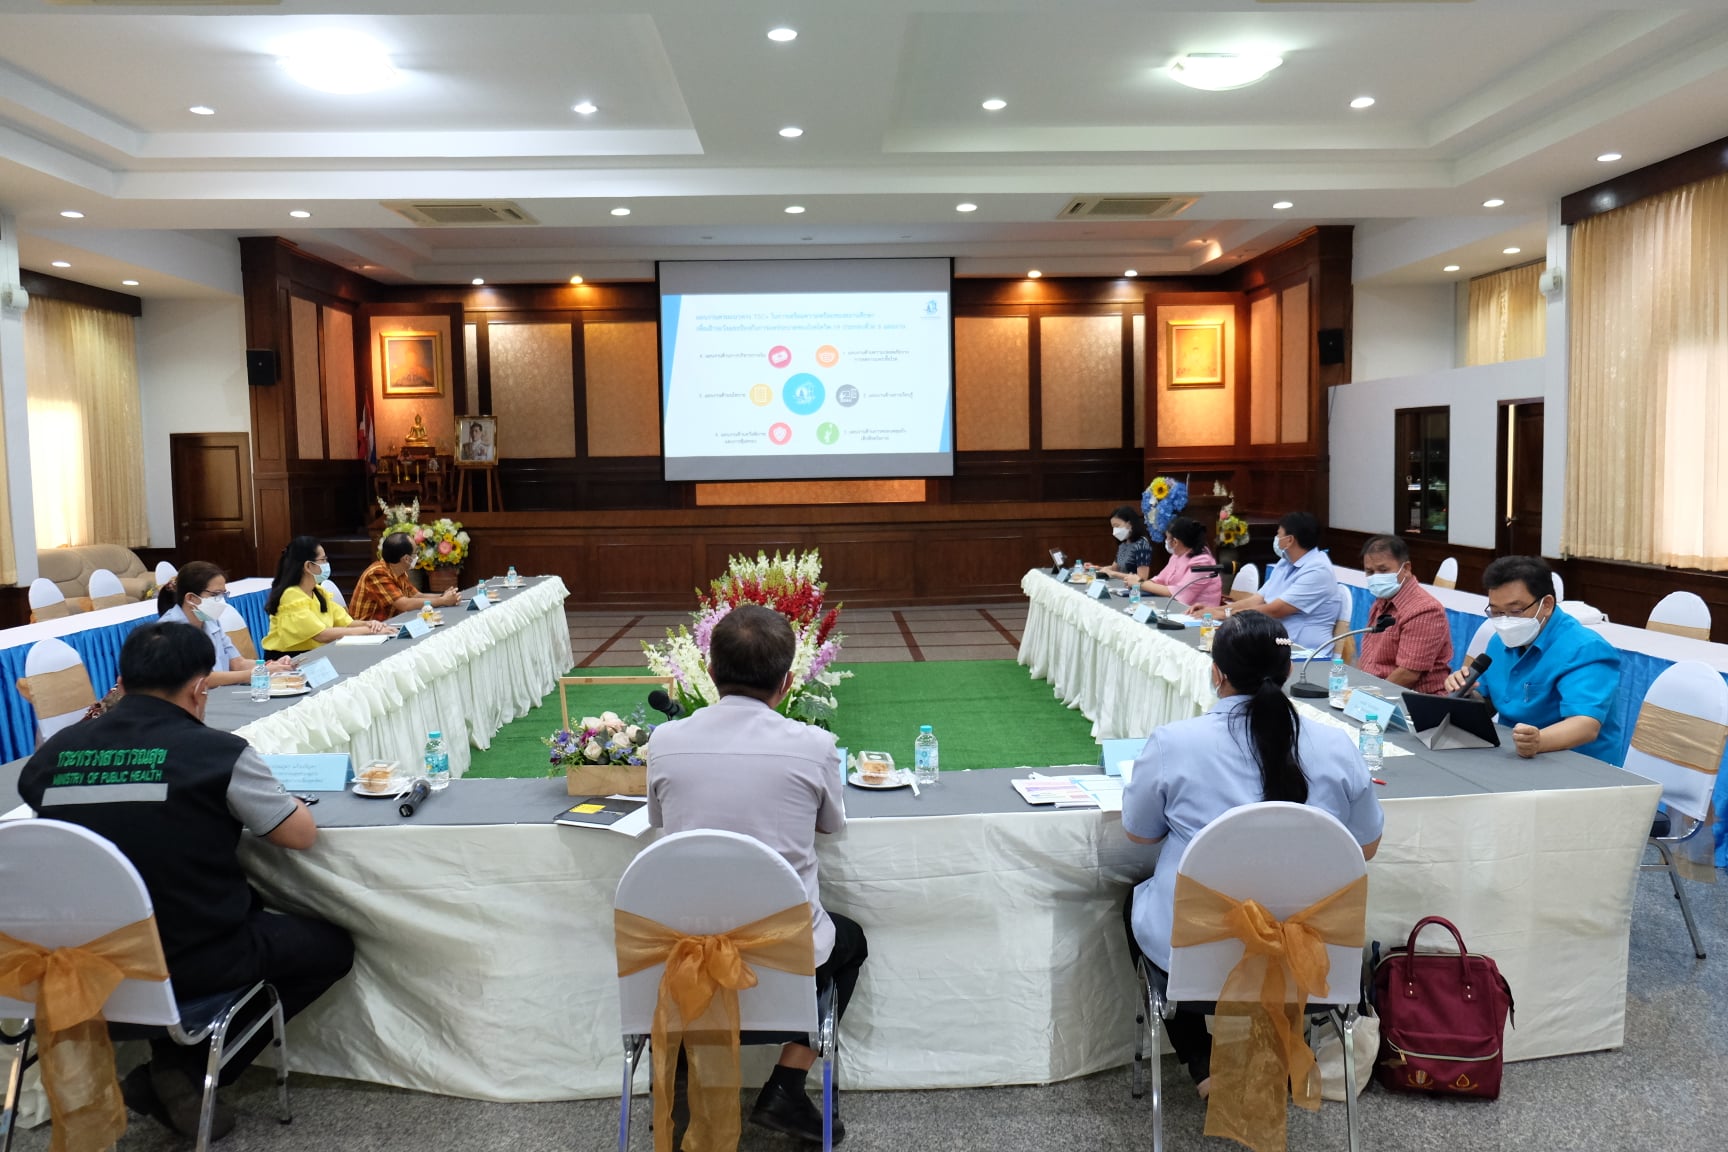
(803, 394)
(761, 395)
(846, 395)
(780, 433)
(780, 356)
(828, 433)
(827, 355)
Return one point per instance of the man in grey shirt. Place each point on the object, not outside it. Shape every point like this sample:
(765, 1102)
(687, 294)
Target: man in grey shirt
(740, 766)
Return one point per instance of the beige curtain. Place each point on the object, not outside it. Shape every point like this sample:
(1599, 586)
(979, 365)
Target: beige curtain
(1508, 317)
(1645, 475)
(86, 432)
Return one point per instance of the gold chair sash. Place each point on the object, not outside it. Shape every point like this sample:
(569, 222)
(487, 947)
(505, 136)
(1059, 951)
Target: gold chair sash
(698, 1010)
(69, 986)
(55, 611)
(57, 693)
(1283, 964)
(1690, 630)
(242, 639)
(116, 600)
(1690, 741)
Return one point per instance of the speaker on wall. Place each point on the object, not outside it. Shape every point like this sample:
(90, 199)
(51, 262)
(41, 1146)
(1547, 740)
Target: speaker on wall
(1331, 346)
(260, 367)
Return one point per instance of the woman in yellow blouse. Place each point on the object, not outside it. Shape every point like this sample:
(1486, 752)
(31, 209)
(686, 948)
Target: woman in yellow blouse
(302, 616)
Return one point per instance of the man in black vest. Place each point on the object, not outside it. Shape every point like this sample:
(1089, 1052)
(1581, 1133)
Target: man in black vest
(174, 797)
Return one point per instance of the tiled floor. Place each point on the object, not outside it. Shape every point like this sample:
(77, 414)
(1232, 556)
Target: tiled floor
(872, 635)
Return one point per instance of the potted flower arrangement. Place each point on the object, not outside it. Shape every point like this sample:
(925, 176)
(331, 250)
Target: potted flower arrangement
(1231, 534)
(440, 548)
(603, 755)
(792, 586)
(1160, 503)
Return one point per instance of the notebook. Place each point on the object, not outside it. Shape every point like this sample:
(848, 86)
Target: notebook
(612, 813)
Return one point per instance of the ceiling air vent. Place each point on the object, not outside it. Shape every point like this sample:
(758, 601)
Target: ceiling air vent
(1126, 207)
(460, 213)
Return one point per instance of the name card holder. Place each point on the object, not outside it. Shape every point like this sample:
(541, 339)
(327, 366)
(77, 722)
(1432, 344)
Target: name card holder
(320, 672)
(413, 628)
(1100, 589)
(1364, 706)
(1143, 614)
(479, 602)
(319, 772)
(1062, 576)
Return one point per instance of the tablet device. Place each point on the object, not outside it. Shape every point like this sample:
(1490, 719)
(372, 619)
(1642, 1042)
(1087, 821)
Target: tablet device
(1439, 720)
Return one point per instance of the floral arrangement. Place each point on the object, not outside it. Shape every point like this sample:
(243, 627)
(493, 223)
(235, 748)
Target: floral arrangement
(1232, 529)
(440, 544)
(404, 518)
(792, 586)
(1162, 500)
(602, 739)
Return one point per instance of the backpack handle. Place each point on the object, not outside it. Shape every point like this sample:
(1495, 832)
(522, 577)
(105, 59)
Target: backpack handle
(1463, 968)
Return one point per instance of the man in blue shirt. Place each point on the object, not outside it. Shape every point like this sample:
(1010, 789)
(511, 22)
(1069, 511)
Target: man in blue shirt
(1551, 678)
(1301, 590)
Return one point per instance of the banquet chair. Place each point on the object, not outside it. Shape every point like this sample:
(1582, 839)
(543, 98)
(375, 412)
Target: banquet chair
(57, 685)
(1479, 642)
(234, 625)
(1246, 583)
(1447, 576)
(1681, 614)
(1559, 589)
(47, 602)
(1287, 857)
(62, 886)
(1340, 626)
(708, 883)
(1678, 742)
(334, 593)
(164, 573)
(106, 591)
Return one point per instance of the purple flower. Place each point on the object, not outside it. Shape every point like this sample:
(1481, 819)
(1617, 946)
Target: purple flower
(705, 626)
(825, 656)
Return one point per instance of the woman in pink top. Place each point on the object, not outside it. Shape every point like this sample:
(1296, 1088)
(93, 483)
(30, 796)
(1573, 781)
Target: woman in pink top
(1185, 540)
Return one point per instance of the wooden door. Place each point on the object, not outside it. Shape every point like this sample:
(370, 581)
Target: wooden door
(212, 476)
(1519, 487)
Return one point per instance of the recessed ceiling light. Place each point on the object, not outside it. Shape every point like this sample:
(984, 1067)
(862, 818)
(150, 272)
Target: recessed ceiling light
(791, 133)
(575, 279)
(1494, 203)
(968, 207)
(1450, 268)
(300, 214)
(61, 264)
(586, 108)
(477, 281)
(1608, 157)
(338, 61)
(994, 105)
(620, 211)
(1511, 251)
(1033, 274)
(1362, 102)
(202, 110)
(1131, 273)
(1222, 71)
(783, 35)
(72, 214)
(794, 209)
(128, 283)
(1281, 205)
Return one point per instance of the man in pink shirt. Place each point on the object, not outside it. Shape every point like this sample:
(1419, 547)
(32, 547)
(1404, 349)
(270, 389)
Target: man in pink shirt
(1185, 542)
(1416, 652)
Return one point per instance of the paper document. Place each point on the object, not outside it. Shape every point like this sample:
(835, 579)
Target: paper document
(1311, 714)
(359, 641)
(1058, 790)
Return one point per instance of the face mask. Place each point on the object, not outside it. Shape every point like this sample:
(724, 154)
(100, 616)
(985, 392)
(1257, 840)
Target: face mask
(210, 608)
(1383, 585)
(1119, 533)
(1517, 631)
(324, 570)
(1279, 549)
(1170, 548)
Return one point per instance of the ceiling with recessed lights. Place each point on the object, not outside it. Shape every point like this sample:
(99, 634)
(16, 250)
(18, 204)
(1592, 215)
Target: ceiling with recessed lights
(631, 132)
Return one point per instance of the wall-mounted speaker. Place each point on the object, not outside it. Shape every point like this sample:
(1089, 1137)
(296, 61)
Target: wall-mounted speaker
(1331, 346)
(260, 367)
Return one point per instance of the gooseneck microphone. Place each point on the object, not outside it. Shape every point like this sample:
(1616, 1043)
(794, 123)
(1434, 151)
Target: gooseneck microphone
(1164, 620)
(663, 703)
(1307, 691)
(1477, 667)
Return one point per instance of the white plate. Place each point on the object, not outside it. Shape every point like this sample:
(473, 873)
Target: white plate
(300, 691)
(900, 779)
(397, 787)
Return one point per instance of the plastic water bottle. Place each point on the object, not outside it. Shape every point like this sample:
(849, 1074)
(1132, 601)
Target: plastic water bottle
(926, 763)
(437, 762)
(1337, 683)
(260, 683)
(511, 580)
(1133, 594)
(1373, 746)
(1207, 627)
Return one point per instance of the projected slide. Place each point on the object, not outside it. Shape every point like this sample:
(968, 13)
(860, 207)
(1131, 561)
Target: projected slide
(787, 385)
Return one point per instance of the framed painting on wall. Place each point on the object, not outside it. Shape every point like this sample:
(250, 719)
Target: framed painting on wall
(413, 363)
(1196, 353)
(477, 439)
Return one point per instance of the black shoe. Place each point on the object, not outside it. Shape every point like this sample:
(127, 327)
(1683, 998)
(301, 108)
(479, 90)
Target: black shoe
(783, 1110)
(140, 1097)
(180, 1100)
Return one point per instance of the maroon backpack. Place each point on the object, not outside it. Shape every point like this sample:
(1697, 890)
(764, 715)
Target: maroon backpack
(1442, 1019)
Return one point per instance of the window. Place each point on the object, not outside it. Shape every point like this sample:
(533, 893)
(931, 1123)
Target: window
(1424, 458)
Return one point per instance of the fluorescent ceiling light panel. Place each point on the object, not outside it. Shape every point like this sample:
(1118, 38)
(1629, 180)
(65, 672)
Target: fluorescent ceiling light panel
(338, 61)
(1223, 71)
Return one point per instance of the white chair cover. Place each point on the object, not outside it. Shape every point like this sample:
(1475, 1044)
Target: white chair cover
(106, 591)
(708, 883)
(335, 593)
(1691, 688)
(1447, 576)
(47, 602)
(1559, 589)
(1247, 582)
(234, 625)
(1683, 614)
(1479, 642)
(1346, 605)
(55, 655)
(164, 573)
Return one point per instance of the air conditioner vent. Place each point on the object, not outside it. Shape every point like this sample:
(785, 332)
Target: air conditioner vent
(1126, 207)
(461, 213)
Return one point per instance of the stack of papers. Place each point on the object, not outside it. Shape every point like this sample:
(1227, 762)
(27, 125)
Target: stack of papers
(1091, 791)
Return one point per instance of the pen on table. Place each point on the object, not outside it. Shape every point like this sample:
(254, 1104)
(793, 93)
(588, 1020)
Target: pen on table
(1376, 779)
(913, 780)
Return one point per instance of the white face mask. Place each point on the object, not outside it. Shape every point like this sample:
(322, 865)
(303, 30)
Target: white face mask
(210, 608)
(1169, 547)
(324, 570)
(1383, 585)
(1119, 532)
(1517, 631)
(1278, 547)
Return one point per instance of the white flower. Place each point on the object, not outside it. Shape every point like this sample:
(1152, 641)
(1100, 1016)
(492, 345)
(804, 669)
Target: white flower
(593, 751)
(590, 722)
(621, 742)
(462, 537)
(633, 734)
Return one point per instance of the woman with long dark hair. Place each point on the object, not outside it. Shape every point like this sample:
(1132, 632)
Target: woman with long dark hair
(302, 616)
(198, 595)
(1185, 541)
(1252, 746)
(1133, 545)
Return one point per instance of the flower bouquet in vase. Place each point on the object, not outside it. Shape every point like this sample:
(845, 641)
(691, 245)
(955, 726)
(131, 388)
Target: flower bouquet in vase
(1231, 534)
(443, 546)
(603, 755)
(1163, 499)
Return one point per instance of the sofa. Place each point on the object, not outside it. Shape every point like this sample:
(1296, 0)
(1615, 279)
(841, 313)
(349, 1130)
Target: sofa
(70, 569)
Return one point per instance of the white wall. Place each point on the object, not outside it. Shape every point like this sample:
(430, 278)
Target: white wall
(191, 378)
(1364, 495)
(1403, 330)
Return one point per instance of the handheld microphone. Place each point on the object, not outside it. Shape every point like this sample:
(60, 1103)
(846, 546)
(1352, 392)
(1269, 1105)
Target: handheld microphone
(1303, 689)
(1477, 667)
(1164, 622)
(415, 796)
(661, 702)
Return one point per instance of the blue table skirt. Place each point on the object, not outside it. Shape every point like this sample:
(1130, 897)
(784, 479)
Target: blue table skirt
(100, 650)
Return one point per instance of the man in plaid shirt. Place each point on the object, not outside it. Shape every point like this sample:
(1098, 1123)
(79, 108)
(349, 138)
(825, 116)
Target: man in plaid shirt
(1416, 652)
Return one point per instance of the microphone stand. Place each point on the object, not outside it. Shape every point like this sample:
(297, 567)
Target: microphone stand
(1307, 691)
(1163, 621)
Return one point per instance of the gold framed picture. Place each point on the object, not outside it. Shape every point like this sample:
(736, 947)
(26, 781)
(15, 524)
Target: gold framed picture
(1195, 353)
(413, 363)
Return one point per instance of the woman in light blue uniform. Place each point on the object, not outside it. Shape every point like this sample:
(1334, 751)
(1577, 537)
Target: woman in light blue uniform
(1250, 747)
(197, 595)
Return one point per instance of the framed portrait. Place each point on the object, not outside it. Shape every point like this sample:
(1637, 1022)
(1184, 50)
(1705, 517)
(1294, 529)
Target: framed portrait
(477, 439)
(1196, 353)
(413, 363)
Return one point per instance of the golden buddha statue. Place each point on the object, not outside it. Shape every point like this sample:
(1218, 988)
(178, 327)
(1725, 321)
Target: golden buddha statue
(417, 434)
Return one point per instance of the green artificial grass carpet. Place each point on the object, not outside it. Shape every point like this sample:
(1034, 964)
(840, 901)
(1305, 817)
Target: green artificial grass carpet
(987, 714)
